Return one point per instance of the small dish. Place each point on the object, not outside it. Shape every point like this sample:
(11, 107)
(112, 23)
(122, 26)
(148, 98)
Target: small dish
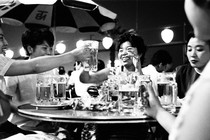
(49, 106)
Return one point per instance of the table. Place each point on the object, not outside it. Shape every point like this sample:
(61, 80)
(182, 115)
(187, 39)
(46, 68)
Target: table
(80, 116)
(107, 123)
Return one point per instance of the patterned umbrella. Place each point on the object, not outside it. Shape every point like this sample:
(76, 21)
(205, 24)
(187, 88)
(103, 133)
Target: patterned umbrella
(62, 18)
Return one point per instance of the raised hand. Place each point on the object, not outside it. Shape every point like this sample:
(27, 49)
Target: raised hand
(137, 63)
(153, 102)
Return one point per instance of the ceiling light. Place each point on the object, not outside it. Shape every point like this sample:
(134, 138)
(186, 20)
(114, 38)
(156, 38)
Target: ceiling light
(107, 42)
(167, 35)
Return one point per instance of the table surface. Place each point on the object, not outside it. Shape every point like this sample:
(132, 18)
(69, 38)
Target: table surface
(80, 116)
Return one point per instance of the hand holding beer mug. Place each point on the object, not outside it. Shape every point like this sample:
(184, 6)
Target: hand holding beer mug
(92, 63)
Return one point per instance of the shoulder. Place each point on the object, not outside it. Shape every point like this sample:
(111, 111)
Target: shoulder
(10, 79)
(149, 69)
(184, 68)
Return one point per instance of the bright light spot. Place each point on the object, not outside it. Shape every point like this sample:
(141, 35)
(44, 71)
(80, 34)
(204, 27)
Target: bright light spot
(91, 43)
(107, 42)
(79, 43)
(9, 53)
(60, 47)
(167, 35)
(95, 43)
(22, 52)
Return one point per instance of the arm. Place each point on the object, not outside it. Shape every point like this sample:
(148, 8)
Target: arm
(45, 63)
(155, 110)
(165, 119)
(97, 77)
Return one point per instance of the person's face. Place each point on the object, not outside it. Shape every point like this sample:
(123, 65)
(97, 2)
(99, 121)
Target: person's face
(126, 53)
(199, 19)
(3, 43)
(198, 53)
(163, 68)
(41, 50)
(168, 67)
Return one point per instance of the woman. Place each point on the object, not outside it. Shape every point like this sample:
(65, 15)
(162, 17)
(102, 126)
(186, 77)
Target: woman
(198, 55)
(131, 52)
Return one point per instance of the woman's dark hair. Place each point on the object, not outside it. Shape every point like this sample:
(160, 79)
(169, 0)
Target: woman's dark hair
(192, 35)
(135, 40)
(35, 37)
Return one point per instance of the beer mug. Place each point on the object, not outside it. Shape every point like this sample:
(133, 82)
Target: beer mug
(59, 87)
(92, 63)
(128, 91)
(167, 88)
(43, 89)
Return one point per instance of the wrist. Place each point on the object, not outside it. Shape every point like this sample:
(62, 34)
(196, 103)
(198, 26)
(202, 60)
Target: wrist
(159, 113)
(72, 57)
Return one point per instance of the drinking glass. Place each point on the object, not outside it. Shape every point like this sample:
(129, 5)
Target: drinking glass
(167, 88)
(43, 89)
(59, 87)
(128, 91)
(92, 63)
(113, 91)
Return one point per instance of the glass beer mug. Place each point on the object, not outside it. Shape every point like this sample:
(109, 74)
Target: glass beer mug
(59, 87)
(92, 63)
(43, 89)
(167, 88)
(128, 92)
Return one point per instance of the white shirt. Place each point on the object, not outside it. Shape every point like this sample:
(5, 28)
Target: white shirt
(80, 88)
(5, 63)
